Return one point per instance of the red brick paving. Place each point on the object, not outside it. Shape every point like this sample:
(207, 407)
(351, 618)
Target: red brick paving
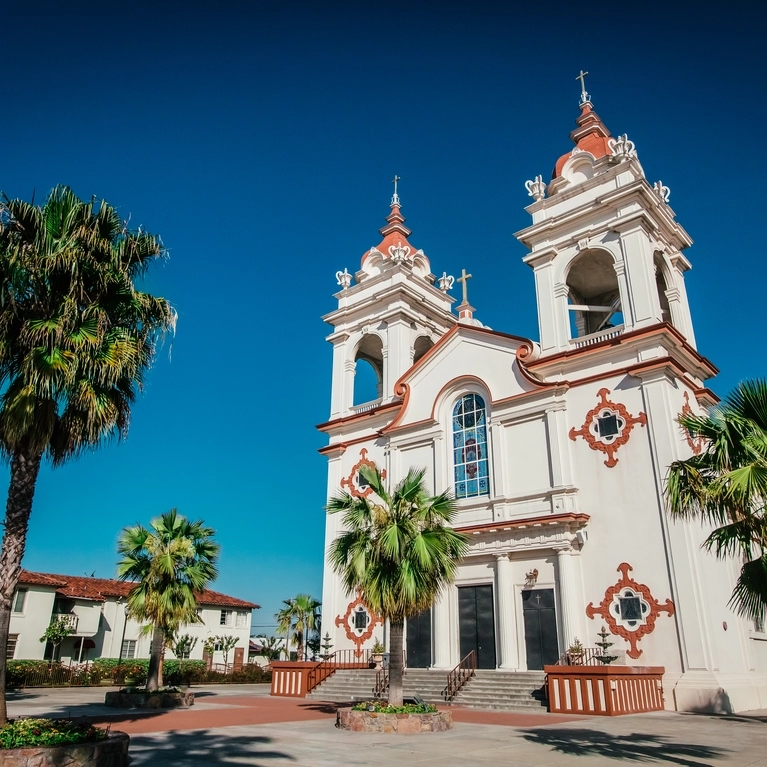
(251, 709)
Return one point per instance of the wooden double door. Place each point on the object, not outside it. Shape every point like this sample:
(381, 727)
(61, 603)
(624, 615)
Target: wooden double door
(476, 623)
(418, 640)
(541, 645)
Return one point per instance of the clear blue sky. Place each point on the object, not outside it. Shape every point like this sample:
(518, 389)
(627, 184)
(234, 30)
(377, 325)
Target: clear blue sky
(258, 139)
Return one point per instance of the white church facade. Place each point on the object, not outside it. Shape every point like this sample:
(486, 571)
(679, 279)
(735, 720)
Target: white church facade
(555, 449)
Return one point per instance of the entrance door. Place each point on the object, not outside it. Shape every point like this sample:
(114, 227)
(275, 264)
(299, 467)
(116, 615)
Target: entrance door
(476, 623)
(540, 628)
(419, 640)
(239, 656)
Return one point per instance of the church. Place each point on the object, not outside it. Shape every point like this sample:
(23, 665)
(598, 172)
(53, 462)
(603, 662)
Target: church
(556, 449)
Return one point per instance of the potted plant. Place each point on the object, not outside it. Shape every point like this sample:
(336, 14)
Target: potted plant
(377, 653)
(575, 653)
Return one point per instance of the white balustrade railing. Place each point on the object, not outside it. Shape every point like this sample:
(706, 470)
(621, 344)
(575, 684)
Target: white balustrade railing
(595, 338)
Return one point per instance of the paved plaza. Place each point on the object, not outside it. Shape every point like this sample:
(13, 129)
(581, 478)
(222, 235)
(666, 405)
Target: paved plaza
(243, 725)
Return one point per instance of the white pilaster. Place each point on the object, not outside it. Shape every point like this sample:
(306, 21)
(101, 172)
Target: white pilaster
(504, 583)
(568, 595)
(441, 631)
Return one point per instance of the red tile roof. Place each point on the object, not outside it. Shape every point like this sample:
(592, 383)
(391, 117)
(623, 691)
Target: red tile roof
(98, 589)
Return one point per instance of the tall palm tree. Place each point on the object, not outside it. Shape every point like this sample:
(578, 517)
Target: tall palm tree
(399, 551)
(76, 340)
(725, 486)
(171, 562)
(299, 617)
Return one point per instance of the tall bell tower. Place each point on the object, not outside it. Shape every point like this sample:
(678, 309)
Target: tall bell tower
(389, 314)
(604, 244)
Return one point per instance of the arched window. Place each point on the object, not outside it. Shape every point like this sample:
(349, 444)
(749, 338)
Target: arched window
(368, 377)
(470, 447)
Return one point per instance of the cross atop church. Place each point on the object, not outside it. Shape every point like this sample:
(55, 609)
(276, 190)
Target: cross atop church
(395, 196)
(584, 95)
(463, 279)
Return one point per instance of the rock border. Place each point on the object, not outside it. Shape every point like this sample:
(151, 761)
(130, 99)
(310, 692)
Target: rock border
(404, 724)
(125, 699)
(111, 752)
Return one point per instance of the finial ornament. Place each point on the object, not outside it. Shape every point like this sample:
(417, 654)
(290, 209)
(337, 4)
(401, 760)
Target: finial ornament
(399, 252)
(446, 282)
(464, 279)
(585, 98)
(344, 279)
(622, 147)
(536, 188)
(662, 191)
(395, 196)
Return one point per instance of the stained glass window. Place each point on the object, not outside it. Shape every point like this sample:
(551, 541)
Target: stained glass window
(470, 447)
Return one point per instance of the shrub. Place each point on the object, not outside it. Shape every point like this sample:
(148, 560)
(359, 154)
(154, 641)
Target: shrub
(183, 671)
(26, 733)
(120, 669)
(385, 708)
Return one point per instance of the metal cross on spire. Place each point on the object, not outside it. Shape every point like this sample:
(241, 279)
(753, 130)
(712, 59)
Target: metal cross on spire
(585, 98)
(395, 196)
(463, 279)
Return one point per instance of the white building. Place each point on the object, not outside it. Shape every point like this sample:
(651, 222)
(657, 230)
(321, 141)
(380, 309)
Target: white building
(556, 449)
(96, 609)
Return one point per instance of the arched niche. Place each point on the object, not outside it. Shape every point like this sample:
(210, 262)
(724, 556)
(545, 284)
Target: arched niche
(368, 371)
(420, 347)
(594, 299)
(662, 284)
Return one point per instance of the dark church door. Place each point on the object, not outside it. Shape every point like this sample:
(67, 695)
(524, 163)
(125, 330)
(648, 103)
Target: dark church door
(419, 640)
(540, 628)
(476, 623)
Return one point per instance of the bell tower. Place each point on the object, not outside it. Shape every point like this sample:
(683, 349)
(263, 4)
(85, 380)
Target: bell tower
(389, 315)
(604, 244)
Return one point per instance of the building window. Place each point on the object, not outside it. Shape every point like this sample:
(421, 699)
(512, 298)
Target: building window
(242, 620)
(11, 646)
(18, 600)
(470, 447)
(226, 618)
(129, 649)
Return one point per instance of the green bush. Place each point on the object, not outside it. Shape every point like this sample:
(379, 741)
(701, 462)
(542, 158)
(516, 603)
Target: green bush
(385, 708)
(26, 733)
(183, 671)
(121, 669)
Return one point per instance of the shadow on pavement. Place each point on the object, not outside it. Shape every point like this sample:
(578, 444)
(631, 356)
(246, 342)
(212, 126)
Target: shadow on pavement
(637, 747)
(325, 707)
(201, 747)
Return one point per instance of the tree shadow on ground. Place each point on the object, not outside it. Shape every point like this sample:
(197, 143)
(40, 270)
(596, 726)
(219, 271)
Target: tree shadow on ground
(325, 707)
(201, 748)
(637, 747)
(743, 717)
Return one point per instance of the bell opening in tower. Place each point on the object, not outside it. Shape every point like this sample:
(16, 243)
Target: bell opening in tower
(368, 370)
(594, 299)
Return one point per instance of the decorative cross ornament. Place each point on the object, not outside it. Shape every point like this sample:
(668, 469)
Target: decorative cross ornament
(446, 282)
(585, 98)
(463, 279)
(696, 443)
(629, 609)
(344, 278)
(358, 622)
(395, 196)
(355, 482)
(536, 188)
(607, 426)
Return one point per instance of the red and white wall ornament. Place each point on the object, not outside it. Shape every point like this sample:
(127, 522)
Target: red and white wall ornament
(629, 609)
(607, 427)
(358, 623)
(355, 482)
(695, 443)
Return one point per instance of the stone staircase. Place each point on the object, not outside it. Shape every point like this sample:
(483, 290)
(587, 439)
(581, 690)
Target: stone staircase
(503, 691)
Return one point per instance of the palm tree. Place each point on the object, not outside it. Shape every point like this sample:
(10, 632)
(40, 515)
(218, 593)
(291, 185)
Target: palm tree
(300, 616)
(400, 552)
(76, 340)
(725, 486)
(170, 562)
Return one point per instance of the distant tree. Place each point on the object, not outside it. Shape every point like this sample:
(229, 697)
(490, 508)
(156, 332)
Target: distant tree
(76, 340)
(299, 617)
(398, 551)
(271, 647)
(58, 630)
(183, 645)
(725, 486)
(171, 562)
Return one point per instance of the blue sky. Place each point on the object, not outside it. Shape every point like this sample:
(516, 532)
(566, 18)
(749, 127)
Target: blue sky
(259, 140)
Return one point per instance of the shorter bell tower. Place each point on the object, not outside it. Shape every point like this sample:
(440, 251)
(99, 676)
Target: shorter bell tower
(390, 313)
(604, 243)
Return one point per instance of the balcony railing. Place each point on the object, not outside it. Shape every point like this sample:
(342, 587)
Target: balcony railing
(595, 338)
(71, 619)
(365, 406)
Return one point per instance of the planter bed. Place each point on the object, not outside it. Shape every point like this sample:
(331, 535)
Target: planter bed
(128, 699)
(112, 752)
(406, 724)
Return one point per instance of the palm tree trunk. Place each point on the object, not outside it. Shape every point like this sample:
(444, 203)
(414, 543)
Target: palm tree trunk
(154, 676)
(396, 670)
(24, 470)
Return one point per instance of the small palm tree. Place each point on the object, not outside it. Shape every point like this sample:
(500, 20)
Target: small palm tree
(726, 487)
(171, 562)
(299, 617)
(76, 340)
(399, 551)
